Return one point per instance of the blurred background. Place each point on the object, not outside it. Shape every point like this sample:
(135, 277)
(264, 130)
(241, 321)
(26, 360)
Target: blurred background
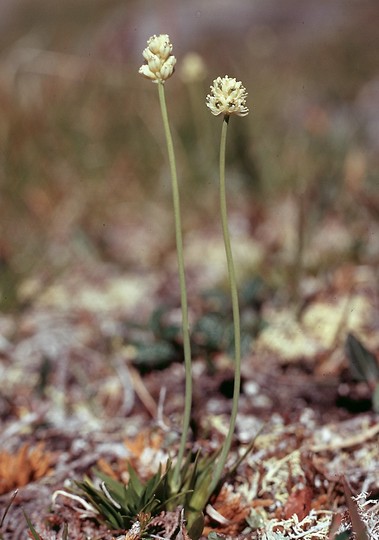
(83, 169)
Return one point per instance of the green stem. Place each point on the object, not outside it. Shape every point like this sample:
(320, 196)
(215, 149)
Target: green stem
(236, 317)
(182, 282)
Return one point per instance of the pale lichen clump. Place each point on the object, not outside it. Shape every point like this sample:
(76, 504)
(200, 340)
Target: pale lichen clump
(368, 510)
(228, 96)
(315, 525)
(160, 63)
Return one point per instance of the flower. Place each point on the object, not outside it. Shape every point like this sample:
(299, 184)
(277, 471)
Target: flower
(193, 68)
(228, 96)
(160, 63)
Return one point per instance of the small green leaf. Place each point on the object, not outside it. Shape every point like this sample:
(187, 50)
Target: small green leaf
(363, 363)
(196, 527)
(196, 501)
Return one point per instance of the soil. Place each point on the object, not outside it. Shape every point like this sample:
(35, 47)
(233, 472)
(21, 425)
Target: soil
(85, 384)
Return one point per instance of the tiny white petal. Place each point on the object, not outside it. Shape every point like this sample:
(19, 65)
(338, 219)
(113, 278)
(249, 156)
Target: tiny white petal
(160, 44)
(168, 68)
(145, 71)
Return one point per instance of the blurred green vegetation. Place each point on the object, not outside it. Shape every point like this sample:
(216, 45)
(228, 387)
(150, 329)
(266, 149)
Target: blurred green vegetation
(82, 146)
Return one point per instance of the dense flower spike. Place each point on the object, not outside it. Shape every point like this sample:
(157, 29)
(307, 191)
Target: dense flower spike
(228, 96)
(160, 63)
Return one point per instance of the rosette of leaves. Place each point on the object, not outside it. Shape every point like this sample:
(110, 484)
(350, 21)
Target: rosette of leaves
(119, 505)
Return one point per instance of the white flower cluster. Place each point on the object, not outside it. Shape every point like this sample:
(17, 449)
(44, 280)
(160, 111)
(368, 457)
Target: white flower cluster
(228, 96)
(160, 63)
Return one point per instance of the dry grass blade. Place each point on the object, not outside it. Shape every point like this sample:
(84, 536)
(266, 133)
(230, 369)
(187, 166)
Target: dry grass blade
(356, 520)
(336, 522)
(8, 506)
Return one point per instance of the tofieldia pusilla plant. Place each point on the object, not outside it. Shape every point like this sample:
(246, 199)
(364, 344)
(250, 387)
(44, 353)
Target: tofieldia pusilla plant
(159, 67)
(228, 97)
(194, 478)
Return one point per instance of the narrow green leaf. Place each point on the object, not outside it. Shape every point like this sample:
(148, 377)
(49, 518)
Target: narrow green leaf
(34, 533)
(134, 481)
(116, 488)
(109, 513)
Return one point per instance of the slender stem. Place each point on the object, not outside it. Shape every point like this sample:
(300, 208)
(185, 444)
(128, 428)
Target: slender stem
(236, 317)
(182, 282)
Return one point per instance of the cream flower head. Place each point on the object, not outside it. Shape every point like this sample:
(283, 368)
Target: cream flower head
(228, 96)
(193, 68)
(160, 63)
